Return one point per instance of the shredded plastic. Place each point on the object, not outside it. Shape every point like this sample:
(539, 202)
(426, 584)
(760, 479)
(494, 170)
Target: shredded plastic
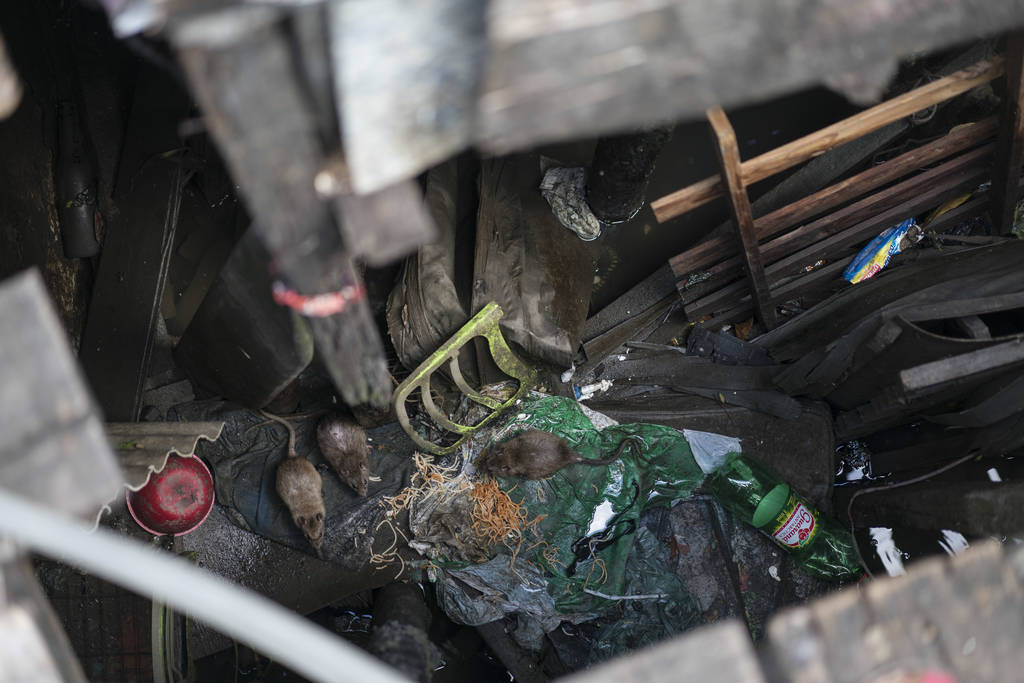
(574, 553)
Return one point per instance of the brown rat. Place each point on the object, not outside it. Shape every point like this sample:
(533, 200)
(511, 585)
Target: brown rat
(537, 455)
(343, 443)
(301, 489)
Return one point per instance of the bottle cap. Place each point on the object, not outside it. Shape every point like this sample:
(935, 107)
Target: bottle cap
(770, 505)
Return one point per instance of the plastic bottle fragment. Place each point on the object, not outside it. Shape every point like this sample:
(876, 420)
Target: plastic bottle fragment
(759, 497)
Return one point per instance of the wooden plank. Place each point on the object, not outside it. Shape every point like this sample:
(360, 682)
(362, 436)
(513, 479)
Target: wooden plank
(881, 203)
(654, 287)
(953, 177)
(892, 601)
(721, 652)
(794, 648)
(833, 247)
(258, 114)
(960, 138)
(804, 246)
(1010, 147)
(600, 346)
(930, 377)
(973, 326)
(802, 149)
(406, 76)
(960, 616)
(794, 289)
(52, 447)
(739, 206)
(567, 69)
(380, 227)
(118, 338)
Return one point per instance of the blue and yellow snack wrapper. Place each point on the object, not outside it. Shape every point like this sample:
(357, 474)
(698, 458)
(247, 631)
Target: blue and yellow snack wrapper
(877, 253)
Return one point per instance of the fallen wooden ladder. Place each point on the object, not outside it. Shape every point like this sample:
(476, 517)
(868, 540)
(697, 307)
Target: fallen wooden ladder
(782, 256)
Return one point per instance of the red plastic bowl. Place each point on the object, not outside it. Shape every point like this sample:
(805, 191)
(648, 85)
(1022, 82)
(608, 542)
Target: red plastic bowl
(175, 500)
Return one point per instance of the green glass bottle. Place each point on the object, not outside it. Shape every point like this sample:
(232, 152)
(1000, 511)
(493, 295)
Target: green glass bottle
(758, 496)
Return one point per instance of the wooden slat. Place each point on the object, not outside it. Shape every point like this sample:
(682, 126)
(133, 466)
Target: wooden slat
(879, 205)
(1010, 144)
(835, 244)
(840, 244)
(802, 149)
(728, 152)
(930, 377)
(954, 174)
(118, 339)
(793, 289)
(960, 138)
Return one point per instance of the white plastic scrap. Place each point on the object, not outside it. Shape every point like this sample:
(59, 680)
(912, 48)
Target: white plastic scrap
(953, 542)
(567, 375)
(710, 449)
(587, 391)
(603, 514)
(891, 556)
(855, 473)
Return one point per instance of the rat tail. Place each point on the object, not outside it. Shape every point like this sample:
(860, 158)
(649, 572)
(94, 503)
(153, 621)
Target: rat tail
(634, 440)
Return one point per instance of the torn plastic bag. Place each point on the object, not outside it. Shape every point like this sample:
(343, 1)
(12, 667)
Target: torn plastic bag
(524, 260)
(659, 609)
(503, 587)
(584, 520)
(424, 308)
(539, 273)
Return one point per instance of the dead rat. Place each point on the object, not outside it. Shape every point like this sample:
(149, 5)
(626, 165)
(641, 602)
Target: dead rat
(537, 455)
(343, 443)
(301, 489)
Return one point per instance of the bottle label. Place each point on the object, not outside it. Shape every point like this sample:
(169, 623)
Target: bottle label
(796, 524)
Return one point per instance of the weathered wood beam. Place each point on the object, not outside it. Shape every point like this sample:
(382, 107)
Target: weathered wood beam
(1010, 143)
(400, 635)
(242, 69)
(728, 153)
(960, 138)
(406, 75)
(794, 288)
(117, 342)
(802, 149)
(52, 447)
(928, 378)
(561, 69)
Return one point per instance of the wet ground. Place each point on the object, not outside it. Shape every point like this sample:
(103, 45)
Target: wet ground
(890, 550)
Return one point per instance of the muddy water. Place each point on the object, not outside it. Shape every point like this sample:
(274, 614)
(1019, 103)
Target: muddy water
(890, 550)
(627, 253)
